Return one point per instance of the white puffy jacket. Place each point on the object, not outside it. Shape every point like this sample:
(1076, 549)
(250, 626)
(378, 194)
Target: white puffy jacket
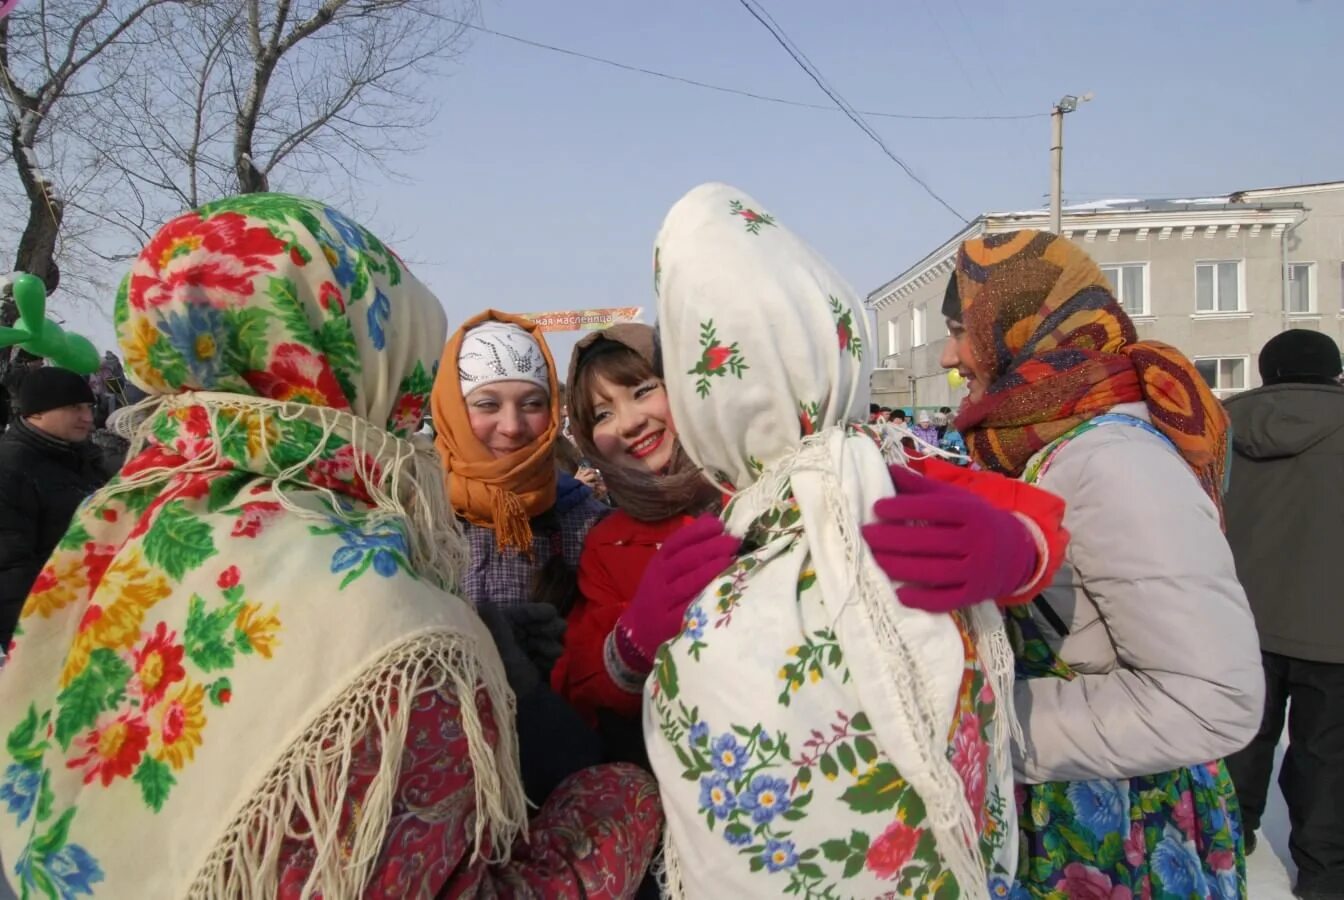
(1157, 625)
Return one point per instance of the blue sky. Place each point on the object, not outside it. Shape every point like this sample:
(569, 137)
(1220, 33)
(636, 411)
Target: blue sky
(544, 179)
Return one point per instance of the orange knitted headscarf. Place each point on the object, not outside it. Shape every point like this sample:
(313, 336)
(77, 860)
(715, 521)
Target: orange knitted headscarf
(505, 493)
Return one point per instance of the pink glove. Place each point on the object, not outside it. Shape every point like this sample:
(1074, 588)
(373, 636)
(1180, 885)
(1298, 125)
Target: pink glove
(682, 568)
(948, 547)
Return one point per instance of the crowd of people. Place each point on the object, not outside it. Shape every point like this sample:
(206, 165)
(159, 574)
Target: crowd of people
(317, 599)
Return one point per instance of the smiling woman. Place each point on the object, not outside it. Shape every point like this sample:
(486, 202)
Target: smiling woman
(622, 423)
(496, 408)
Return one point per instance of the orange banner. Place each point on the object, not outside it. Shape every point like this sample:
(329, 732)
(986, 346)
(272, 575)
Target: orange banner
(585, 319)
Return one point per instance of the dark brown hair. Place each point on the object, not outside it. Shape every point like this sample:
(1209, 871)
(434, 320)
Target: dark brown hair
(642, 494)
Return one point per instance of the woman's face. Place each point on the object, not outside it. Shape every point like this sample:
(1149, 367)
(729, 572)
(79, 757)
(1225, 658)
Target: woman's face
(633, 423)
(508, 415)
(957, 355)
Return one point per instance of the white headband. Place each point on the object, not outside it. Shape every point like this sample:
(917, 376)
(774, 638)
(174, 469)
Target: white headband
(500, 351)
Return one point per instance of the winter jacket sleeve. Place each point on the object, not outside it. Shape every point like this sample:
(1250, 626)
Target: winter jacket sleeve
(1161, 637)
(580, 675)
(20, 521)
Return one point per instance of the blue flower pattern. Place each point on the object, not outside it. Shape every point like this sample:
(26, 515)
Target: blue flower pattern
(729, 756)
(1177, 863)
(350, 232)
(766, 798)
(385, 550)
(1100, 805)
(73, 871)
(19, 790)
(70, 870)
(717, 796)
(693, 626)
(197, 336)
(379, 312)
(342, 268)
(779, 855)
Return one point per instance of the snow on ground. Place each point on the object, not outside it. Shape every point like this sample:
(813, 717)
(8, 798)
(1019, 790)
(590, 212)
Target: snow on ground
(1270, 871)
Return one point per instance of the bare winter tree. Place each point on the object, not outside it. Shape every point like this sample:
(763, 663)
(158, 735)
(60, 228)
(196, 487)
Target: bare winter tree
(251, 95)
(48, 56)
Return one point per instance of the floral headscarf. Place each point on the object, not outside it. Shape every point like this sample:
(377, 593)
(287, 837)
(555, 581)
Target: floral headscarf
(1055, 349)
(259, 585)
(767, 352)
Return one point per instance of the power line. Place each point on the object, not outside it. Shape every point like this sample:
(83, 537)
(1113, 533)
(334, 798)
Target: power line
(729, 90)
(806, 65)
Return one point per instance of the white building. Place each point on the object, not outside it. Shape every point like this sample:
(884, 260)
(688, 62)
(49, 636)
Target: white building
(1216, 277)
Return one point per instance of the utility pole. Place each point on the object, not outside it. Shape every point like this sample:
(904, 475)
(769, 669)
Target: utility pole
(1067, 104)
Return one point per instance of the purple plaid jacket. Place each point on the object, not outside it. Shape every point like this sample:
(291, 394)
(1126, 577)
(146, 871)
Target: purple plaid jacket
(504, 577)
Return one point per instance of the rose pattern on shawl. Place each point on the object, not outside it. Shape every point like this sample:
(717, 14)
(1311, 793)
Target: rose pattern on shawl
(850, 342)
(254, 517)
(970, 759)
(893, 850)
(809, 416)
(1172, 834)
(717, 359)
(219, 259)
(298, 375)
(754, 220)
(409, 410)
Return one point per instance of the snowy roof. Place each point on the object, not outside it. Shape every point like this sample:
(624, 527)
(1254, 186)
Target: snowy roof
(1131, 204)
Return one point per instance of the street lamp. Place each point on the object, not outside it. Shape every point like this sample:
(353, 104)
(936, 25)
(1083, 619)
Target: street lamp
(1067, 104)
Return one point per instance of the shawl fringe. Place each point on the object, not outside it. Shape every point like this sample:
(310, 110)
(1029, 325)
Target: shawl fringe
(311, 776)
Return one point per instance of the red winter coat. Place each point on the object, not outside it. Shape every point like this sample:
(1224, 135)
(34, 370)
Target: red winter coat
(615, 554)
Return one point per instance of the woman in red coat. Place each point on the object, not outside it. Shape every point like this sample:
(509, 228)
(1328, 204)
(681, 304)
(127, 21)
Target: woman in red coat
(619, 418)
(978, 534)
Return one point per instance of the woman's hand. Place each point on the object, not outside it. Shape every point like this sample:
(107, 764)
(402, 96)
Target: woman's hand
(948, 547)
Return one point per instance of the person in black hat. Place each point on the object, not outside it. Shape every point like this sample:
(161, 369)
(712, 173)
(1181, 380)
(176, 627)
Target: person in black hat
(1286, 532)
(47, 467)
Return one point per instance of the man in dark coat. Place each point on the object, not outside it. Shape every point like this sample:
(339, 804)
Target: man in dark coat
(1286, 529)
(47, 467)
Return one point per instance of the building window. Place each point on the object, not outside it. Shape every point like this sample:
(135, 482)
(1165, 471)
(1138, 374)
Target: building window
(893, 337)
(1301, 287)
(1129, 283)
(918, 326)
(1218, 287)
(1225, 375)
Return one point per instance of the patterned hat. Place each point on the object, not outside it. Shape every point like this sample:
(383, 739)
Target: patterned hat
(500, 351)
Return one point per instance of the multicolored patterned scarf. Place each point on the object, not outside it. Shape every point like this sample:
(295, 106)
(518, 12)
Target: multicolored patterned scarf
(1055, 349)
(259, 586)
(863, 748)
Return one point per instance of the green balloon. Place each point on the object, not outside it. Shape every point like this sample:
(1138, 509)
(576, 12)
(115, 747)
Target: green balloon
(40, 336)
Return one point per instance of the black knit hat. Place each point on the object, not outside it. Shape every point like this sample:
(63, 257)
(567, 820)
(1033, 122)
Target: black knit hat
(1299, 355)
(51, 388)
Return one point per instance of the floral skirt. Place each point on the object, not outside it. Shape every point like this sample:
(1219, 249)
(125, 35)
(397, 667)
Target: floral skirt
(1173, 835)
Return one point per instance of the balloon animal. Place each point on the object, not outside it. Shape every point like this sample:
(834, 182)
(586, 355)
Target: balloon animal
(40, 336)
